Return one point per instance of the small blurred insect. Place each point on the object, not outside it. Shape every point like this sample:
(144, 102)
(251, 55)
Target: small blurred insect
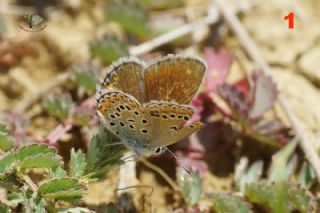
(35, 23)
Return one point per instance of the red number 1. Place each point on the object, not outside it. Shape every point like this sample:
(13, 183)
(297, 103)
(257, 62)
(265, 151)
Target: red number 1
(290, 18)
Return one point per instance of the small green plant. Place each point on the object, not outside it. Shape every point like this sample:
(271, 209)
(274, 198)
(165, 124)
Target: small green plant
(56, 184)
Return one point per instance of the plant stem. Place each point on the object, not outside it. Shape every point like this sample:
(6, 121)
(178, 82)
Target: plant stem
(161, 173)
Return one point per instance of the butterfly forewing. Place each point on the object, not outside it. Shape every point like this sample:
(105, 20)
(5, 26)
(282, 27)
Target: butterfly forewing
(173, 78)
(126, 75)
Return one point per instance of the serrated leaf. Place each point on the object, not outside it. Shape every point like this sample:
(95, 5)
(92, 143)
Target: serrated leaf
(100, 156)
(6, 164)
(272, 196)
(191, 187)
(218, 68)
(57, 172)
(6, 142)
(301, 199)
(264, 94)
(33, 149)
(62, 188)
(77, 163)
(235, 99)
(130, 15)
(229, 204)
(58, 106)
(279, 168)
(48, 160)
(108, 50)
(259, 192)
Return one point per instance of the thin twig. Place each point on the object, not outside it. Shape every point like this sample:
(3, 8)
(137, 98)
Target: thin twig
(174, 34)
(260, 61)
(161, 173)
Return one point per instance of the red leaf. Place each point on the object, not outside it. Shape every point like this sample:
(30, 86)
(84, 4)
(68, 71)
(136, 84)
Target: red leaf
(243, 86)
(264, 94)
(218, 68)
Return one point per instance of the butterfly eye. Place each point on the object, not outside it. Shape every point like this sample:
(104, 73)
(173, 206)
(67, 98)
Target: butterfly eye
(159, 150)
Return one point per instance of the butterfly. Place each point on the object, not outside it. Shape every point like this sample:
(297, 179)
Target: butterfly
(34, 22)
(145, 104)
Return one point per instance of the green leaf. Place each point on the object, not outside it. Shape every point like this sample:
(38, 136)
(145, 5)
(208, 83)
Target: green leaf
(33, 149)
(32, 201)
(279, 168)
(6, 164)
(58, 106)
(48, 160)
(6, 142)
(190, 185)
(250, 175)
(108, 49)
(15, 198)
(102, 155)
(272, 196)
(5, 209)
(229, 204)
(57, 172)
(280, 201)
(86, 76)
(130, 15)
(306, 175)
(62, 188)
(259, 193)
(77, 163)
(301, 199)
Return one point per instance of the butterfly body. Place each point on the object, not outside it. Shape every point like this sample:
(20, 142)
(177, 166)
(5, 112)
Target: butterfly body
(34, 22)
(144, 106)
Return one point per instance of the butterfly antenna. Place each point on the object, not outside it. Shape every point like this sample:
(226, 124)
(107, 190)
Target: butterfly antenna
(179, 161)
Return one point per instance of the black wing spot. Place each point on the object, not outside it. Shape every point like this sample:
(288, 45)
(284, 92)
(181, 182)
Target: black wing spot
(122, 107)
(185, 118)
(112, 116)
(117, 114)
(144, 121)
(112, 123)
(144, 131)
(122, 124)
(128, 108)
(191, 126)
(132, 127)
(136, 112)
(172, 115)
(131, 120)
(173, 128)
(118, 109)
(165, 116)
(180, 116)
